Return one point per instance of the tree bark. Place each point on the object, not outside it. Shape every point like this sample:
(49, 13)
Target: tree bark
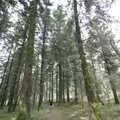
(87, 77)
(29, 57)
(75, 84)
(4, 87)
(67, 87)
(52, 84)
(57, 86)
(60, 83)
(108, 67)
(42, 68)
(63, 91)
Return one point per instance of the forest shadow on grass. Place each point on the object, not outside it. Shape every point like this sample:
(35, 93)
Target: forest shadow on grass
(41, 115)
(75, 112)
(5, 115)
(111, 112)
(70, 112)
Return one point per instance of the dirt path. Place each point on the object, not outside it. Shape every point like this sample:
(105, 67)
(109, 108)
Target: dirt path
(55, 115)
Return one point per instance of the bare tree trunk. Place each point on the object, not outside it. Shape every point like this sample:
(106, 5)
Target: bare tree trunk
(75, 85)
(49, 90)
(57, 86)
(29, 57)
(42, 68)
(52, 84)
(35, 84)
(108, 67)
(87, 78)
(68, 92)
(63, 87)
(14, 88)
(5, 70)
(95, 80)
(4, 87)
(60, 83)
(45, 23)
(114, 92)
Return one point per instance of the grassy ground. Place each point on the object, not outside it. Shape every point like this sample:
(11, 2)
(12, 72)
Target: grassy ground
(41, 115)
(111, 112)
(5, 116)
(74, 112)
(69, 112)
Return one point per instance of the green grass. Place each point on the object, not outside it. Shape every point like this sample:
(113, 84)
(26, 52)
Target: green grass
(111, 112)
(41, 115)
(74, 112)
(70, 112)
(5, 116)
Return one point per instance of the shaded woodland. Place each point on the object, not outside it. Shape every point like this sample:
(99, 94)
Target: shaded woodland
(64, 54)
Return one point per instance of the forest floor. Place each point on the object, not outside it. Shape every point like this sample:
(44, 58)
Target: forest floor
(68, 112)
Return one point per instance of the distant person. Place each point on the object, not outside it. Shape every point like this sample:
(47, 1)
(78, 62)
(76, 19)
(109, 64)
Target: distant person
(51, 103)
(51, 106)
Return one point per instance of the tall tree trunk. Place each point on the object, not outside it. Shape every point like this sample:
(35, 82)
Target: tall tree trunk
(67, 88)
(52, 84)
(5, 70)
(63, 86)
(4, 87)
(29, 57)
(95, 80)
(87, 77)
(20, 66)
(60, 83)
(49, 90)
(14, 88)
(4, 90)
(57, 86)
(45, 23)
(42, 67)
(114, 92)
(108, 67)
(35, 85)
(113, 88)
(75, 86)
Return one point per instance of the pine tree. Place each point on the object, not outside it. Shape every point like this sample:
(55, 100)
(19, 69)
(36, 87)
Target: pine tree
(86, 74)
(29, 57)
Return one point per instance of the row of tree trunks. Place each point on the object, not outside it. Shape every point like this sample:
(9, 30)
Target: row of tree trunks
(18, 67)
(6, 80)
(58, 85)
(15, 77)
(108, 67)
